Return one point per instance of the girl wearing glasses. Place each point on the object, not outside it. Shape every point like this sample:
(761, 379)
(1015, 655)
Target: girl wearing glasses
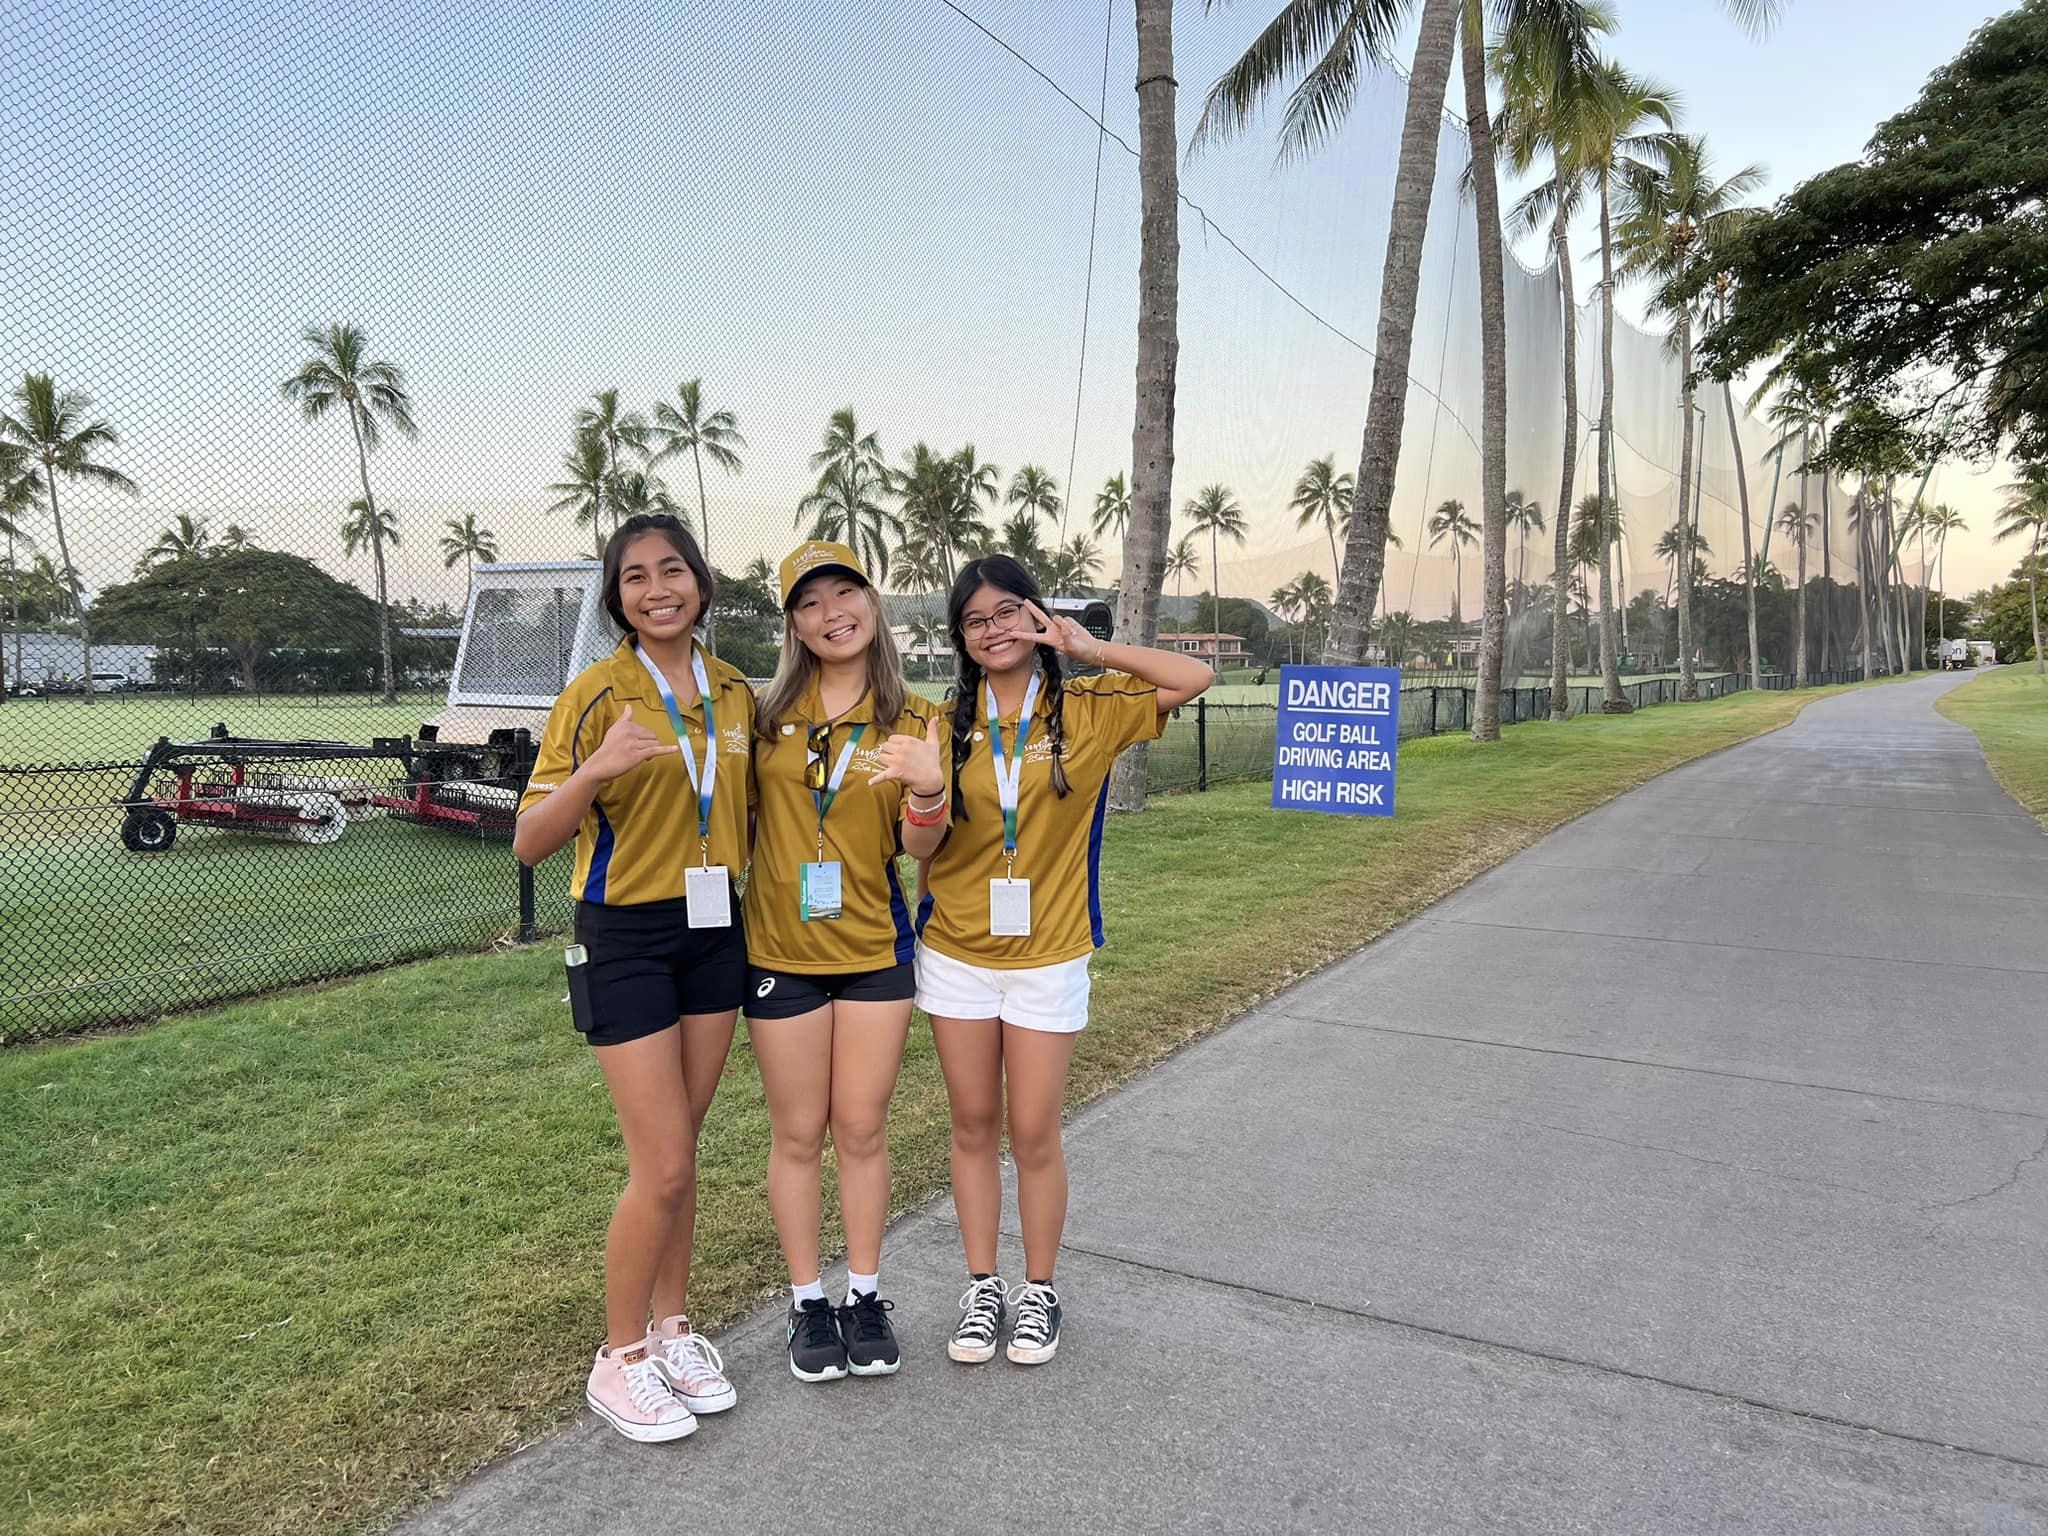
(645, 763)
(1013, 913)
(850, 772)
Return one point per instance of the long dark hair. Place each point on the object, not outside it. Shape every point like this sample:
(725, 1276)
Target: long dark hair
(672, 529)
(1005, 575)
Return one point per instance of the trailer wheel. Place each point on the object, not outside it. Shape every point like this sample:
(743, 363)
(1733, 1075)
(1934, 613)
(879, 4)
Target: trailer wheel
(150, 831)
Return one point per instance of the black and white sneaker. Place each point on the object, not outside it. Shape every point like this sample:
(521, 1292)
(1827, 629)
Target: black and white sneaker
(870, 1341)
(816, 1352)
(981, 1321)
(1036, 1337)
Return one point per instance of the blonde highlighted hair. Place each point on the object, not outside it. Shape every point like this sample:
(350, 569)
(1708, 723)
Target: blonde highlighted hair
(796, 668)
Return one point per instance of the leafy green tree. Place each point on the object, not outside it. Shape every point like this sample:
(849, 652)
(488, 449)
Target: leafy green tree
(52, 440)
(1451, 521)
(1912, 274)
(248, 601)
(1215, 512)
(340, 373)
(686, 425)
(2025, 516)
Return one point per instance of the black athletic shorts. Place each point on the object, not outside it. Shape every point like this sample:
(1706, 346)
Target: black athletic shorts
(647, 967)
(785, 994)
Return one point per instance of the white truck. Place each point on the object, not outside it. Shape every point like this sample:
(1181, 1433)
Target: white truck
(1955, 655)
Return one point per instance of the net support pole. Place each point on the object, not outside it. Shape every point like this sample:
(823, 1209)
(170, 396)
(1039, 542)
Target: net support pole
(1201, 744)
(528, 928)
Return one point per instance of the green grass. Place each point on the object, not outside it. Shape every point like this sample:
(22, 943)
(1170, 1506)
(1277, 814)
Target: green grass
(122, 727)
(2008, 710)
(304, 1261)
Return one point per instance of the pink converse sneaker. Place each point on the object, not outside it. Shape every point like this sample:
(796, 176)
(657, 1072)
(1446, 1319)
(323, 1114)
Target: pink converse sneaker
(628, 1391)
(692, 1368)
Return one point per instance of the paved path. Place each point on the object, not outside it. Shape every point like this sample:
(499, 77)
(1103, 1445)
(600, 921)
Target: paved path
(1688, 1172)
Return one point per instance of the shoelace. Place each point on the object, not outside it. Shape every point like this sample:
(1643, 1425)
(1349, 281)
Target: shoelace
(815, 1319)
(982, 1303)
(649, 1392)
(869, 1325)
(1034, 1304)
(696, 1357)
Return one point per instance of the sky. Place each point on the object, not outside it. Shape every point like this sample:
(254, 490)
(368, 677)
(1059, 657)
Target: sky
(876, 204)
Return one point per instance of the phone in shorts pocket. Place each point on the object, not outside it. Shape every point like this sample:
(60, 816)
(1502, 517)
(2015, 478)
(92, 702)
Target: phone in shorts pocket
(576, 961)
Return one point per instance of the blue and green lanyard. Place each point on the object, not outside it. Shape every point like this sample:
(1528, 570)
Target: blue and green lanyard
(824, 797)
(1010, 777)
(705, 784)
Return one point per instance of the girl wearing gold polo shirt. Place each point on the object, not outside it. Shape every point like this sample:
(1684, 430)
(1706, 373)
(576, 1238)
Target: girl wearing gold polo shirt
(850, 774)
(1013, 913)
(646, 763)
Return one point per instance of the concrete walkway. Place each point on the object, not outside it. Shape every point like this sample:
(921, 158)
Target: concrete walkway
(1688, 1172)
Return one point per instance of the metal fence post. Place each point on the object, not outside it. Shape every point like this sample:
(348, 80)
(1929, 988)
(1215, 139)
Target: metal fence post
(1432, 711)
(1201, 744)
(529, 930)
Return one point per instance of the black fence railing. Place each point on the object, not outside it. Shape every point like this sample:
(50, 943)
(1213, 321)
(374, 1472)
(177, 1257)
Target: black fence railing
(223, 867)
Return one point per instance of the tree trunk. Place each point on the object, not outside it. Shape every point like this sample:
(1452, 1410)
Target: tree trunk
(1861, 508)
(71, 579)
(1493, 366)
(1688, 679)
(1365, 551)
(1756, 673)
(1799, 673)
(1151, 516)
(704, 521)
(1610, 654)
(376, 555)
(1827, 579)
(14, 623)
(1215, 598)
(2034, 604)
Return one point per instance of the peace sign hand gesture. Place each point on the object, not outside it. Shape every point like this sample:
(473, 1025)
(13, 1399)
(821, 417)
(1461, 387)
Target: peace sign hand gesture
(913, 761)
(625, 747)
(1065, 636)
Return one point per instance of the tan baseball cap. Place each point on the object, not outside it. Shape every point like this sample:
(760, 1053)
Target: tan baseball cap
(813, 556)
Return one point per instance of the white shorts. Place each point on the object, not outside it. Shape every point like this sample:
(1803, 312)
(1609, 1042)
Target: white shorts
(1052, 998)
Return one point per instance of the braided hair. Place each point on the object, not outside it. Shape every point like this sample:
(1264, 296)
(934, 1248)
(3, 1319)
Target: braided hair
(1005, 575)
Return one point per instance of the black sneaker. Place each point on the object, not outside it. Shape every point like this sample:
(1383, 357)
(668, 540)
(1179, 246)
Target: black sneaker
(816, 1352)
(870, 1341)
(981, 1320)
(1036, 1338)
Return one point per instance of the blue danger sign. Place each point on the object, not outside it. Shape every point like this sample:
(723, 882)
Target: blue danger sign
(1334, 749)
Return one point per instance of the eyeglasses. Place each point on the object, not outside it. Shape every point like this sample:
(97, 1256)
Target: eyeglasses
(1004, 617)
(818, 743)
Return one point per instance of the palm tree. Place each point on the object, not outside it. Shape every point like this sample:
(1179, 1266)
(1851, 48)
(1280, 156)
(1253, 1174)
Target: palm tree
(844, 443)
(587, 488)
(340, 372)
(466, 542)
(1941, 521)
(616, 430)
(17, 495)
(53, 440)
(1215, 511)
(234, 536)
(1322, 498)
(1451, 521)
(1073, 564)
(371, 527)
(1285, 600)
(928, 634)
(1804, 413)
(1798, 524)
(936, 506)
(1181, 563)
(977, 481)
(760, 573)
(1020, 542)
(186, 536)
(1036, 492)
(847, 507)
(1314, 596)
(1525, 517)
(1112, 507)
(2025, 515)
(922, 566)
(1674, 214)
(1668, 549)
(706, 434)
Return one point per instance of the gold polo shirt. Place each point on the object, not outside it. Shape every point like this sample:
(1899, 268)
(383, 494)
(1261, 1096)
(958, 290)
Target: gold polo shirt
(640, 833)
(862, 831)
(1059, 839)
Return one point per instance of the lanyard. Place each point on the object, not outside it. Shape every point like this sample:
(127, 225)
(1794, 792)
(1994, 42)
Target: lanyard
(705, 785)
(1007, 781)
(824, 797)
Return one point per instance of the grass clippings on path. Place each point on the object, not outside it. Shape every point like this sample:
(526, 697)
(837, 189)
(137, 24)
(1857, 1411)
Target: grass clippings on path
(300, 1263)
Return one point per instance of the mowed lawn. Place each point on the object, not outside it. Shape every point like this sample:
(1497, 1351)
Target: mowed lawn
(121, 727)
(301, 1262)
(2008, 709)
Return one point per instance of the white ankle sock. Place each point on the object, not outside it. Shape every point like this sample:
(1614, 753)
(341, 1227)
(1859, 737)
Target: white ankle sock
(810, 1290)
(867, 1285)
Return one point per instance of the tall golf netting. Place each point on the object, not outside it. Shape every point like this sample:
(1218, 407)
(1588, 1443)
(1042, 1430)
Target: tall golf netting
(538, 241)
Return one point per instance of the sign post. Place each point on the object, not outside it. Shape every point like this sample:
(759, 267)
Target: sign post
(1334, 745)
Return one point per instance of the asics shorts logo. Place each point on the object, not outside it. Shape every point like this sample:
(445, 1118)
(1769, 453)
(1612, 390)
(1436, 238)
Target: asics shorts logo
(767, 986)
